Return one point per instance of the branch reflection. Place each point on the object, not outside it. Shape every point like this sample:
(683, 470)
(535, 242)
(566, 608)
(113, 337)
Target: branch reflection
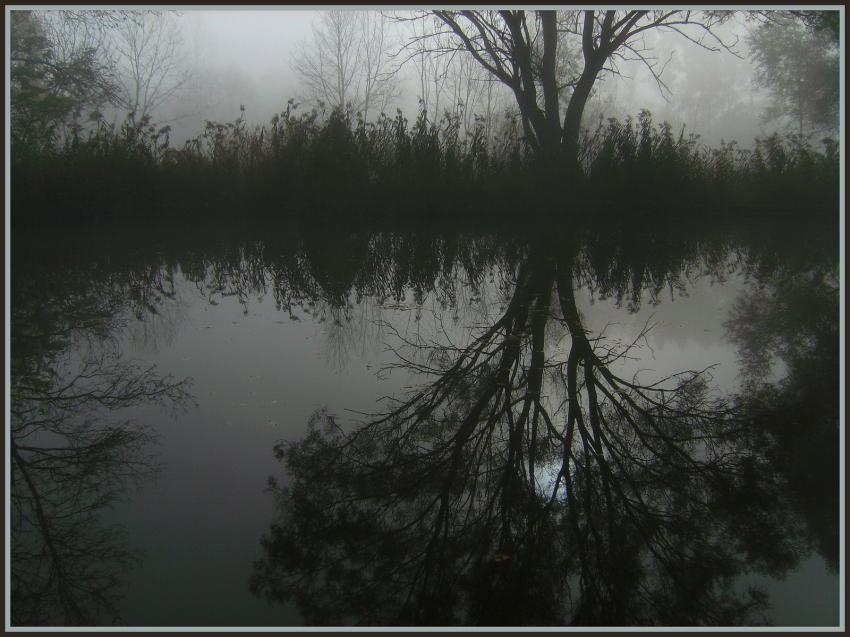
(530, 482)
(72, 453)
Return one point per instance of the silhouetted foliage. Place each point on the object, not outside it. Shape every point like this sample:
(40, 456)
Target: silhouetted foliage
(347, 168)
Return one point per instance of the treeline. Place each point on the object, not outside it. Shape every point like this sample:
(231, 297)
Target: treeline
(336, 164)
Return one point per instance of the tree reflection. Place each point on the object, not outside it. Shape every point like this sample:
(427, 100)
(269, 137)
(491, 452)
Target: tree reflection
(72, 454)
(530, 483)
(528, 480)
(794, 317)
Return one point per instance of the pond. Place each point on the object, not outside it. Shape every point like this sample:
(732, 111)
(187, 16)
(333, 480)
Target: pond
(316, 425)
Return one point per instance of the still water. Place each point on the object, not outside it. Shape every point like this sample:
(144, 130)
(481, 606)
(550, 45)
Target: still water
(286, 426)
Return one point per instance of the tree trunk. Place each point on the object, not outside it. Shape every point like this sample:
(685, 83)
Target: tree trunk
(572, 119)
(550, 86)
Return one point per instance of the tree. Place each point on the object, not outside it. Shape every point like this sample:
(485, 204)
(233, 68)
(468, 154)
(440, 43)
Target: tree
(378, 77)
(66, 62)
(58, 70)
(713, 96)
(431, 71)
(347, 61)
(797, 61)
(525, 52)
(149, 56)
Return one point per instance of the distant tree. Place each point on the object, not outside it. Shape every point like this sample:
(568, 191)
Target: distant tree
(378, 78)
(797, 61)
(714, 96)
(347, 61)
(471, 93)
(454, 84)
(149, 56)
(431, 71)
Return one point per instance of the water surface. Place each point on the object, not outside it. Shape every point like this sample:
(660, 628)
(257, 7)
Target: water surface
(580, 427)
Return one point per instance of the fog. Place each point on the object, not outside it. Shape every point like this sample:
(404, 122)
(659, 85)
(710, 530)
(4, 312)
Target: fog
(235, 58)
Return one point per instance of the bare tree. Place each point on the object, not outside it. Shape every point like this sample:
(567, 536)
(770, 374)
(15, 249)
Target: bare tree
(524, 51)
(347, 61)
(150, 61)
(430, 70)
(379, 86)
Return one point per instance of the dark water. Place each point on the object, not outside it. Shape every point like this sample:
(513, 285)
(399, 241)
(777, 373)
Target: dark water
(608, 426)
